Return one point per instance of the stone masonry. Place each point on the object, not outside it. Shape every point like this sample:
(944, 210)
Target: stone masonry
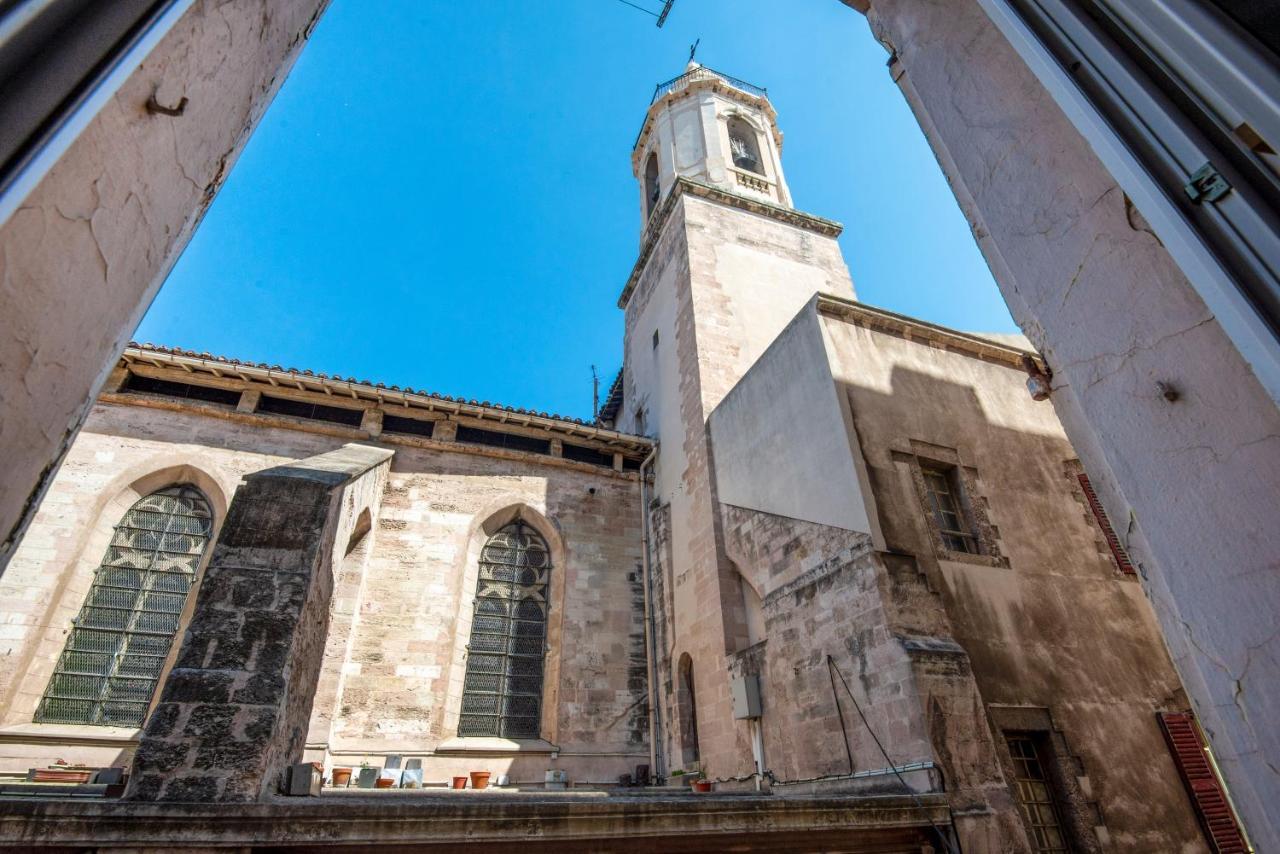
(233, 713)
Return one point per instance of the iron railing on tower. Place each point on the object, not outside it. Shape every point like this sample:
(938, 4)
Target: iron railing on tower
(702, 73)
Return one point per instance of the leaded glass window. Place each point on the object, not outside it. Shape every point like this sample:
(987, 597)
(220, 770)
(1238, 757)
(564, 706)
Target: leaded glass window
(943, 488)
(1035, 796)
(118, 644)
(502, 693)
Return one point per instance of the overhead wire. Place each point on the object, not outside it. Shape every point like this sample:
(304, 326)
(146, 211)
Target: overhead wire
(639, 8)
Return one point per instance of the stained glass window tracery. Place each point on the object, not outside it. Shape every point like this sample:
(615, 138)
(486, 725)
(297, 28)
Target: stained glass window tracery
(502, 691)
(111, 663)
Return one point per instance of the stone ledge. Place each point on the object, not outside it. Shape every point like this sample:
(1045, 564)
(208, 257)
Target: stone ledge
(656, 224)
(425, 819)
(495, 746)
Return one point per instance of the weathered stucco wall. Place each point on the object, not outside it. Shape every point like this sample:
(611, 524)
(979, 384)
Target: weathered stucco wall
(1190, 482)
(1045, 616)
(400, 616)
(81, 260)
(769, 459)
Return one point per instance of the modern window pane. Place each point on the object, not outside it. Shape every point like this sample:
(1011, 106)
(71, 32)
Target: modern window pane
(112, 660)
(502, 690)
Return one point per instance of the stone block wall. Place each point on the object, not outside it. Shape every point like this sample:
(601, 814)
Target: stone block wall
(234, 710)
(395, 652)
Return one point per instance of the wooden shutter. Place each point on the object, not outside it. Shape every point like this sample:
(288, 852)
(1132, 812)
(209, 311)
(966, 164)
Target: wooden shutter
(1117, 550)
(1214, 810)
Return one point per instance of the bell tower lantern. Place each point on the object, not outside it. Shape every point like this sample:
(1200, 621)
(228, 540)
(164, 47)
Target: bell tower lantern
(713, 129)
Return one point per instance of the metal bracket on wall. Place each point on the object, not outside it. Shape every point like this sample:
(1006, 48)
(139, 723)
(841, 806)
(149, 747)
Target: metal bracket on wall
(1207, 185)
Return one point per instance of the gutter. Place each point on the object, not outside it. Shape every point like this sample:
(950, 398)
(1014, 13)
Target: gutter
(650, 653)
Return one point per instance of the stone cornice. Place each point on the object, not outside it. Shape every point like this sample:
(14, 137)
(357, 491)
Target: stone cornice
(911, 329)
(658, 222)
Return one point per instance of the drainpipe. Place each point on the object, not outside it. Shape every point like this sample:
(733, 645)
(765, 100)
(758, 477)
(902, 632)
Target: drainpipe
(650, 653)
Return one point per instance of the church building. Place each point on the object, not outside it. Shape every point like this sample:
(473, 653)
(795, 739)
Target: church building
(810, 548)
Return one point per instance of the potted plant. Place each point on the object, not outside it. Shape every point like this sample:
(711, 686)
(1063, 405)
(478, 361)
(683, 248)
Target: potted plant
(459, 782)
(341, 776)
(368, 776)
(479, 779)
(700, 785)
(677, 781)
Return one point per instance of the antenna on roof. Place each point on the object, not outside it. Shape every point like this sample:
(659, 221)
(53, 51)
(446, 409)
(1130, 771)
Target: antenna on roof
(662, 16)
(666, 10)
(595, 394)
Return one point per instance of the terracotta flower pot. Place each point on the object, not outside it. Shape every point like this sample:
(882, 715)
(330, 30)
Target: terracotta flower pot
(383, 783)
(479, 779)
(459, 782)
(702, 785)
(341, 777)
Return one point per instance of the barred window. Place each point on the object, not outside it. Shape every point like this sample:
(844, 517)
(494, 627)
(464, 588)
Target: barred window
(502, 694)
(118, 644)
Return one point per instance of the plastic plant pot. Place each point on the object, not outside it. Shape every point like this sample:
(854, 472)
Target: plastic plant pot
(479, 779)
(383, 783)
(341, 777)
(459, 782)
(702, 785)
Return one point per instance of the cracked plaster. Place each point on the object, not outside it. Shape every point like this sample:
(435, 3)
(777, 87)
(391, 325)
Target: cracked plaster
(83, 257)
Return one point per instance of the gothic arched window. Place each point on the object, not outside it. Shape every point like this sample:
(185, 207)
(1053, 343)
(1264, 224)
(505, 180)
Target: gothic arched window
(502, 692)
(743, 146)
(652, 189)
(118, 644)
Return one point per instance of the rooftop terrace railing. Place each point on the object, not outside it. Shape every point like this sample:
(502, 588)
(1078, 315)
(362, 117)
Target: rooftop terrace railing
(702, 73)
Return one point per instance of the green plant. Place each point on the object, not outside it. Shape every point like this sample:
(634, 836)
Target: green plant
(677, 773)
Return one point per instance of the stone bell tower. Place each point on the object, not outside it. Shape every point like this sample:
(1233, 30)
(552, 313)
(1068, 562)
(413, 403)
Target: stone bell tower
(725, 263)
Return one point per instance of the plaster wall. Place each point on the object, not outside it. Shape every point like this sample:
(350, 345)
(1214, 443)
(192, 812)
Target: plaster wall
(83, 256)
(1190, 483)
(1044, 615)
(768, 459)
(400, 616)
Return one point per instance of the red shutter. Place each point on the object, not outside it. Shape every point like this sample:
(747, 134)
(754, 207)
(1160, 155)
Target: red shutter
(1210, 799)
(1117, 550)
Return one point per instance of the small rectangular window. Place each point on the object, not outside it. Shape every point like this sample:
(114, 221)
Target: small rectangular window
(510, 441)
(411, 426)
(1034, 790)
(310, 411)
(148, 385)
(943, 488)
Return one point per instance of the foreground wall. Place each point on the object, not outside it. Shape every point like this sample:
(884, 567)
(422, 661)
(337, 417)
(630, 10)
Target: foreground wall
(1189, 477)
(85, 254)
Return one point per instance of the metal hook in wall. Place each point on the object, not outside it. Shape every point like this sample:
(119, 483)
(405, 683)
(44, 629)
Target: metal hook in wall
(154, 107)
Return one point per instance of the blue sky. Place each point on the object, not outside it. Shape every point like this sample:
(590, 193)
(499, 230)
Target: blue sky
(441, 197)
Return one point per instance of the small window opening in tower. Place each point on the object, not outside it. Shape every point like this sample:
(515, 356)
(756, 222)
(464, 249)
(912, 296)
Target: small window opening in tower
(652, 189)
(655, 339)
(743, 146)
